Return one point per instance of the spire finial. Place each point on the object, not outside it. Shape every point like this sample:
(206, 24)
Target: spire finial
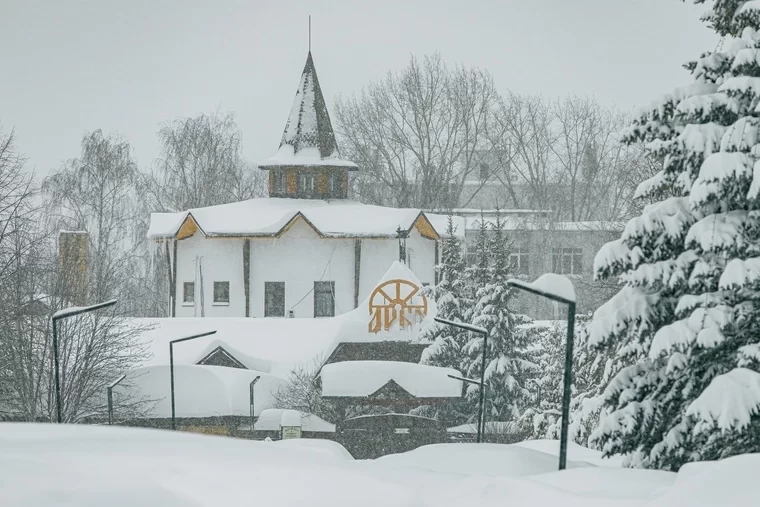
(309, 33)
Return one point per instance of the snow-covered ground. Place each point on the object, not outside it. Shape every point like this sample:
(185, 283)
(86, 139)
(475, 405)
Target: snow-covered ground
(87, 466)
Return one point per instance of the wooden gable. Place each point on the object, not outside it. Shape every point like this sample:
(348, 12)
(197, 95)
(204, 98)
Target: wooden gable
(425, 228)
(188, 228)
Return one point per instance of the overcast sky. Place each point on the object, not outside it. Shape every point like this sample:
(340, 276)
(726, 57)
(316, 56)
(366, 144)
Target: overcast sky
(73, 66)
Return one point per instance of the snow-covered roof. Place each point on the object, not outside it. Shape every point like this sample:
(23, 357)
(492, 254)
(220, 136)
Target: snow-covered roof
(274, 418)
(270, 345)
(364, 378)
(308, 139)
(203, 391)
(270, 217)
(441, 224)
(535, 221)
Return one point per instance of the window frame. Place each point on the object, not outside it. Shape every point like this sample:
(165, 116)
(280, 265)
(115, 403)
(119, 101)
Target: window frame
(217, 302)
(519, 261)
(330, 292)
(185, 293)
(567, 261)
(302, 176)
(267, 285)
(334, 184)
(279, 183)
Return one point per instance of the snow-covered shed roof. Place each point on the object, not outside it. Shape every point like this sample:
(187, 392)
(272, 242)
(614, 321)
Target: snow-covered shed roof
(272, 217)
(273, 418)
(364, 378)
(203, 391)
(270, 345)
(308, 139)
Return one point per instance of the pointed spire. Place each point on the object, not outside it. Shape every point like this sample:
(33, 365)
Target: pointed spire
(308, 138)
(309, 123)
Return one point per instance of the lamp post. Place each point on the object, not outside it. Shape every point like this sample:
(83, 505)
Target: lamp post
(171, 365)
(484, 332)
(60, 315)
(481, 424)
(253, 383)
(109, 391)
(558, 288)
(538, 387)
(402, 235)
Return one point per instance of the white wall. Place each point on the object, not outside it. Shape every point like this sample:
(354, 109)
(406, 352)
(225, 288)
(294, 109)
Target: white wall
(299, 258)
(221, 261)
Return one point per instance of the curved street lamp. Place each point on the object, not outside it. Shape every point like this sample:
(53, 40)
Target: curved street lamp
(558, 288)
(481, 404)
(171, 365)
(60, 315)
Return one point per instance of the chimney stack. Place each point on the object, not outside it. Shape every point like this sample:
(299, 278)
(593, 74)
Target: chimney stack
(72, 266)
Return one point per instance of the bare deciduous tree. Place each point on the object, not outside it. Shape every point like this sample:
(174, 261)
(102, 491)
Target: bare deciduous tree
(417, 134)
(97, 193)
(94, 350)
(94, 193)
(16, 214)
(201, 165)
(521, 138)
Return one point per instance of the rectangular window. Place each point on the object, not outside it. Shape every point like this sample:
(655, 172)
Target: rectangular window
(274, 299)
(324, 299)
(188, 292)
(567, 261)
(333, 183)
(306, 183)
(278, 181)
(485, 172)
(519, 261)
(222, 292)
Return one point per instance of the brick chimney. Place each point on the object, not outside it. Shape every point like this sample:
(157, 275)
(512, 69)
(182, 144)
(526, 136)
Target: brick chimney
(72, 266)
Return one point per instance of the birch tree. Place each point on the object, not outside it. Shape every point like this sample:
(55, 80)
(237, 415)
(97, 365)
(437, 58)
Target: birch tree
(201, 165)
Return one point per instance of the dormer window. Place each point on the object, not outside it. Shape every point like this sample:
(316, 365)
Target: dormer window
(306, 183)
(333, 184)
(278, 181)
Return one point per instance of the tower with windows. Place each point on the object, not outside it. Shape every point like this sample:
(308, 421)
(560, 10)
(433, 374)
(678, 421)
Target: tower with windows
(307, 164)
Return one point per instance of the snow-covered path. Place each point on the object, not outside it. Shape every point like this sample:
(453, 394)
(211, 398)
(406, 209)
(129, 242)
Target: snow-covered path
(49, 465)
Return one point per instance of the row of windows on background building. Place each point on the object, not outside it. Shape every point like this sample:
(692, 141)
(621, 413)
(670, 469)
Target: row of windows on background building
(274, 297)
(565, 261)
(306, 182)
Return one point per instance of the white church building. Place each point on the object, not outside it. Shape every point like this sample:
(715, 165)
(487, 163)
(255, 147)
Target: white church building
(306, 250)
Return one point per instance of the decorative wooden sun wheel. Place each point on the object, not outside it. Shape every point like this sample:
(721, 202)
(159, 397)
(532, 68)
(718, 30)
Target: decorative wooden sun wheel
(396, 301)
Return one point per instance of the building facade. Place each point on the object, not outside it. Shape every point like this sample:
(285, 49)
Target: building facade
(306, 250)
(539, 245)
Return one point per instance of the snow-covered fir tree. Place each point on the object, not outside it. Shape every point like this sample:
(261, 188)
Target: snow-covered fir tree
(510, 363)
(452, 296)
(544, 419)
(541, 419)
(683, 332)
